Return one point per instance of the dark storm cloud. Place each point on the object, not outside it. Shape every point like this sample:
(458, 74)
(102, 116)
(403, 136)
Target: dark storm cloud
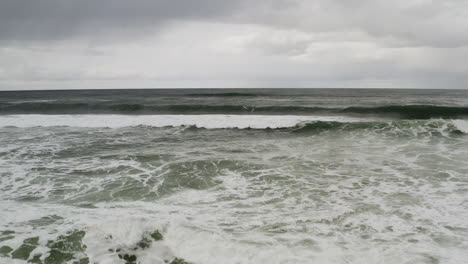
(409, 22)
(61, 19)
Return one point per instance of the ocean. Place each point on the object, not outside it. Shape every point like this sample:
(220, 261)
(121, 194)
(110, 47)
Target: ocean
(234, 176)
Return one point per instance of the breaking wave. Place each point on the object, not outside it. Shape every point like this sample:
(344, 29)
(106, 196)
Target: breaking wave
(397, 127)
(294, 124)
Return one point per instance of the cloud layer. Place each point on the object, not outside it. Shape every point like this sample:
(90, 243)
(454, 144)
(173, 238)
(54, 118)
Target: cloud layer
(237, 43)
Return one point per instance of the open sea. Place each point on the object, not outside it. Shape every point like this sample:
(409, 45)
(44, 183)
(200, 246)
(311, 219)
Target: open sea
(234, 176)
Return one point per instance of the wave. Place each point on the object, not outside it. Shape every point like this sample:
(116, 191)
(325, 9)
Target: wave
(412, 111)
(396, 111)
(232, 94)
(401, 127)
(200, 121)
(80, 108)
(294, 124)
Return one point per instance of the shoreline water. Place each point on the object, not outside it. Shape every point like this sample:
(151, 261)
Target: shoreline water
(233, 188)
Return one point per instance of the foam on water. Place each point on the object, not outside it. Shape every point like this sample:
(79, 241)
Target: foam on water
(234, 196)
(211, 121)
(462, 125)
(205, 121)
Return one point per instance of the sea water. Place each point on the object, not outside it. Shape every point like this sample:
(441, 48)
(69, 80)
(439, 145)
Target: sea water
(234, 176)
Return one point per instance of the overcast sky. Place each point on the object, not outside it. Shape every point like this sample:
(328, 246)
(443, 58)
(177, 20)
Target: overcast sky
(52, 44)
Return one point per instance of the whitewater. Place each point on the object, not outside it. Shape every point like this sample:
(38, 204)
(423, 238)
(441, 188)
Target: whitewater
(386, 183)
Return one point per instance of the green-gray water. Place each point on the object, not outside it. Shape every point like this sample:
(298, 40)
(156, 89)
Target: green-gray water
(294, 187)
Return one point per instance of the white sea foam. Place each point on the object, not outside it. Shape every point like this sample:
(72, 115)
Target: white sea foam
(205, 121)
(363, 198)
(462, 125)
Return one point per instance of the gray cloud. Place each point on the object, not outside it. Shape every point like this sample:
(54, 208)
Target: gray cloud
(411, 22)
(241, 42)
(62, 19)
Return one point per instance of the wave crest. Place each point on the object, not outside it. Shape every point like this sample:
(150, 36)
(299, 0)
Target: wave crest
(295, 124)
(409, 127)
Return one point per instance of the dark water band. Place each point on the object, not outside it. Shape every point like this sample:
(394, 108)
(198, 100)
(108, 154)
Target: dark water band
(397, 111)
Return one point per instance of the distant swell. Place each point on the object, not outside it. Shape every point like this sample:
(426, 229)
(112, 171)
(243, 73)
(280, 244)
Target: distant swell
(412, 111)
(399, 111)
(223, 94)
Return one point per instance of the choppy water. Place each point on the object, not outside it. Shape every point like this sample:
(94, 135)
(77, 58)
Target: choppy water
(212, 186)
